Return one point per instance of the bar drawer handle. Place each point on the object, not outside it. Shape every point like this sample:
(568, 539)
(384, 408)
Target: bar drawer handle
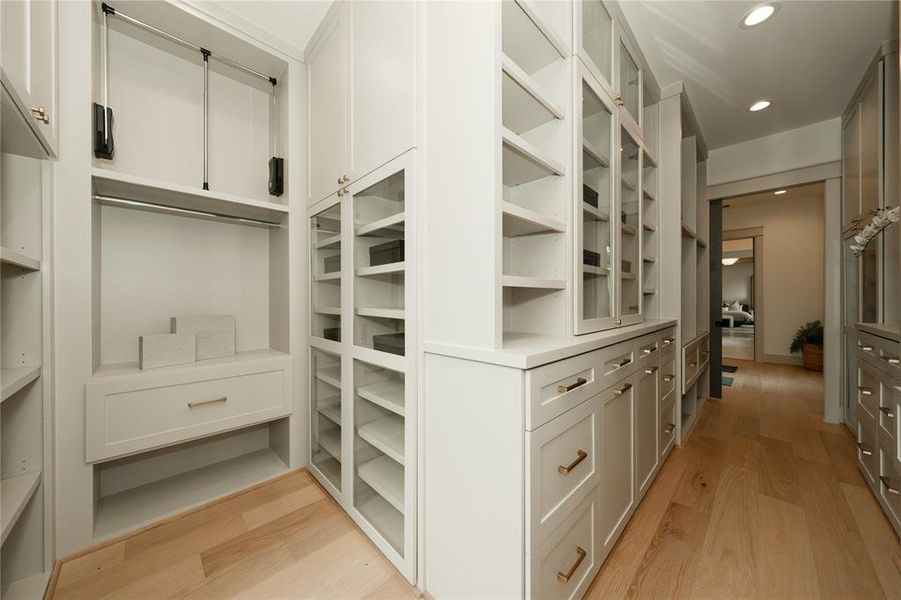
(865, 390)
(865, 348)
(623, 363)
(650, 350)
(887, 411)
(669, 428)
(864, 452)
(650, 370)
(668, 341)
(668, 378)
(889, 488)
(692, 364)
(892, 360)
(623, 389)
(565, 577)
(206, 402)
(562, 389)
(580, 456)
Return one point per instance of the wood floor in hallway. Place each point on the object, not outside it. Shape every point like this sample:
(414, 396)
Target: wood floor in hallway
(764, 501)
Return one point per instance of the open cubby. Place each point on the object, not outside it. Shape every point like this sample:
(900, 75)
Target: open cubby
(156, 95)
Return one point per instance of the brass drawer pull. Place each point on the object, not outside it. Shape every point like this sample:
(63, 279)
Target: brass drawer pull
(206, 402)
(669, 428)
(623, 389)
(887, 411)
(865, 348)
(580, 456)
(623, 363)
(562, 389)
(864, 452)
(565, 577)
(889, 488)
(650, 370)
(865, 390)
(668, 378)
(40, 113)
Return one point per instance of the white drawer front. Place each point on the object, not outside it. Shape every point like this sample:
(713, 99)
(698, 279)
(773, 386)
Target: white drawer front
(564, 566)
(667, 374)
(667, 424)
(884, 352)
(557, 387)
(126, 421)
(690, 366)
(562, 466)
(667, 339)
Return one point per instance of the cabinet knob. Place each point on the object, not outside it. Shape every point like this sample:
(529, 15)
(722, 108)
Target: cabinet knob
(40, 113)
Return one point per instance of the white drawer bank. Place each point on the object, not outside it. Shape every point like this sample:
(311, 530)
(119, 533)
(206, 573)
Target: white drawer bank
(130, 411)
(535, 462)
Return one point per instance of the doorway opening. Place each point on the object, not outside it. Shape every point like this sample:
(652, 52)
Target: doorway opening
(738, 305)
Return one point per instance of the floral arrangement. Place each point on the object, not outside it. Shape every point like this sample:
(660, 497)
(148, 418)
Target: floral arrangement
(882, 218)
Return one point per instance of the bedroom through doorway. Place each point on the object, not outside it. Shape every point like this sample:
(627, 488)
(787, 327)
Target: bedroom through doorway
(738, 302)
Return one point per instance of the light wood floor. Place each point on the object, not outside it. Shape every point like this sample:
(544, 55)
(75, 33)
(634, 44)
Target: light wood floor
(284, 539)
(765, 501)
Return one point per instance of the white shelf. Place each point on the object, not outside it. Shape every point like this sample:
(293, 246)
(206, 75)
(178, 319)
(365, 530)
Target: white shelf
(648, 227)
(387, 478)
(331, 408)
(596, 213)
(596, 157)
(388, 269)
(627, 229)
(385, 518)
(15, 492)
(330, 375)
(648, 194)
(332, 241)
(688, 231)
(161, 193)
(516, 281)
(595, 271)
(523, 162)
(238, 360)
(387, 394)
(628, 184)
(330, 441)
(29, 588)
(333, 276)
(136, 507)
(386, 434)
(629, 275)
(702, 243)
(649, 259)
(382, 313)
(649, 291)
(17, 378)
(525, 105)
(327, 310)
(19, 259)
(391, 227)
(522, 221)
(328, 466)
(527, 40)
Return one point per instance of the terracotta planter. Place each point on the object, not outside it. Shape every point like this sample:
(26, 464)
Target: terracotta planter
(813, 357)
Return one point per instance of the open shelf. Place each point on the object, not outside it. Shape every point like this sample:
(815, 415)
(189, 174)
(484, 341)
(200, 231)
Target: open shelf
(523, 162)
(649, 291)
(333, 276)
(386, 434)
(332, 241)
(648, 194)
(386, 477)
(330, 375)
(381, 313)
(688, 231)
(387, 394)
(702, 243)
(18, 259)
(141, 189)
(330, 408)
(648, 227)
(649, 259)
(327, 310)
(17, 378)
(593, 157)
(137, 506)
(388, 269)
(131, 369)
(525, 106)
(390, 227)
(595, 271)
(514, 281)
(15, 493)
(522, 221)
(596, 214)
(629, 276)
(385, 518)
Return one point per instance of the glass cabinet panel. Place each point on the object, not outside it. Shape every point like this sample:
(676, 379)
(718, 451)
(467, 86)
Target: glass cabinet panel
(379, 443)
(597, 36)
(597, 240)
(379, 265)
(630, 226)
(629, 83)
(325, 238)
(325, 419)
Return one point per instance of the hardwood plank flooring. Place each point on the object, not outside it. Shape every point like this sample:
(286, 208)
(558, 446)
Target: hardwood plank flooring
(284, 539)
(764, 501)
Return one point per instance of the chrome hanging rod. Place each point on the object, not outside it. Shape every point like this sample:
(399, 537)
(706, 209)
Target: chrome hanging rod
(113, 200)
(109, 10)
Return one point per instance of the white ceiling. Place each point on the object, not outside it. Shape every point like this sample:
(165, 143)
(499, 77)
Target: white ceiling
(807, 59)
(292, 21)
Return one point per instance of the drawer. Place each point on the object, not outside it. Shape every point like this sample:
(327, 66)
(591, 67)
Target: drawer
(562, 465)
(888, 488)
(887, 410)
(690, 366)
(868, 389)
(553, 389)
(867, 449)
(566, 563)
(667, 339)
(667, 424)
(667, 374)
(647, 350)
(141, 413)
(884, 352)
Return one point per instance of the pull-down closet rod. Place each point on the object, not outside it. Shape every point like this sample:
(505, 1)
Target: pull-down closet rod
(112, 11)
(113, 200)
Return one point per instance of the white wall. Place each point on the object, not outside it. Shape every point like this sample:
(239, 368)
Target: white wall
(793, 259)
(793, 149)
(737, 282)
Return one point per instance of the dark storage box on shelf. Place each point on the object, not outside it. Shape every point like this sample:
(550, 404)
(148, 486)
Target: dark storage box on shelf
(331, 264)
(332, 333)
(589, 195)
(626, 265)
(590, 258)
(387, 253)
(389, 342)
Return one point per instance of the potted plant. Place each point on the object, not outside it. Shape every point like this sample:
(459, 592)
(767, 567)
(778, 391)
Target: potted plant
(809, 340)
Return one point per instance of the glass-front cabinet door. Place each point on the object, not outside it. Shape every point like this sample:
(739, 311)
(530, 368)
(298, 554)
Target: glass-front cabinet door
(630, 228)
(596, 240)
(596, 40)
(325, 251)
(325, 417)
(629, 85)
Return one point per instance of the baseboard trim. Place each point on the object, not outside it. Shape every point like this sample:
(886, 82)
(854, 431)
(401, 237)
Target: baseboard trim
(783, 359)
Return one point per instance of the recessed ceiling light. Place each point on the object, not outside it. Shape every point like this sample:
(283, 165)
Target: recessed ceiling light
(759, 105)
(758, 15)
(730, 261)
(779, 192)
